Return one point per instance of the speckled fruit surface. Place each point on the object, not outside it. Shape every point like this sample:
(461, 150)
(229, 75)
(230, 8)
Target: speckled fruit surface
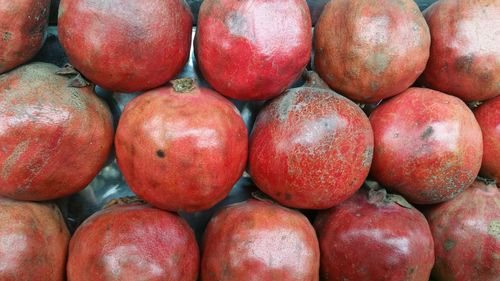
(181, 149)
(22, 30)
(254, 49)
(33, 241)
(374, 236)
(465, 57)
(488, 117)
(310, 148)
(466, 232)
(126, 45)
(428, 145)
(369, 50)
(262, 241)
(54, 138)
(133, 242)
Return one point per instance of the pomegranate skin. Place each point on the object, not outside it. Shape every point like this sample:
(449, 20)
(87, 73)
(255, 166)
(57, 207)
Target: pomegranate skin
(370, 50)
(488, 117)
(254, 49)
(259, 241)
(370, 223)
(466, 234)
(465, 58)
(133, 242)
(181, 151)
(55, 139)
(33, 241)
(126, 45)
(428, 145)
(23, 24)
(310, 148)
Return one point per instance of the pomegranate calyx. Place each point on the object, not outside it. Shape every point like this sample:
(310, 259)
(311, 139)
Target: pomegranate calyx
(183, 85)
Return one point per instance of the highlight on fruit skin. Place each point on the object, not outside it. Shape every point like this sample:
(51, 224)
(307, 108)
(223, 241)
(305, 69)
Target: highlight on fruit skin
(55, 138)
(23, 26)
(181, 148)
(126, 45)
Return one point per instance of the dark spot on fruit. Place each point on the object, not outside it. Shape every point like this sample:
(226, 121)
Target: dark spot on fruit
(6, 36)
(278, 194)
(160, 153)
(374, 86)
(410, 270)
(288, 196)
(427, 133)
(449, 244)
(464, 63)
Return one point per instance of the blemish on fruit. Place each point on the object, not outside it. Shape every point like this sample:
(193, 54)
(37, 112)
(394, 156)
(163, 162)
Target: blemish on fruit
(427, 133)
(494, 229)
(6, 36)
(449, 244)
(160, 153)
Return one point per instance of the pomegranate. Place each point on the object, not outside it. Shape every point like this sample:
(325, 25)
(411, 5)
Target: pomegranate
(255, 49)
(259, 239)
(310, 148)
(370, 50)
(23, 25)
(55, 138)
(428, 145)
(488, 117)
(133, 241)
(182, 147)
(466, 233)
(126, 45)
(33, 241)
(375, 222)
(465, 58)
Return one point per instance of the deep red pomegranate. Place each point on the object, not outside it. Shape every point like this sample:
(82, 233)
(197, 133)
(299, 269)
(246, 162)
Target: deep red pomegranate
(375, 236)
(54, 138)
(254, 49)
(310, 148)
(181, 147)
(130, 242)
(488, 117)
(369, 50)
(466, 234)
(465, 58)
(126, 45)
(22, 30)
(33, 241)
(261, 241)
(428, 145)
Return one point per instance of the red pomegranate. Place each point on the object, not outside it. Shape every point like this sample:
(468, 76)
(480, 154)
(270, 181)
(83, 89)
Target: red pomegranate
(370, 50)
(466, 234)
(262, 241)
(428, 145)
(182, 147)
(375, 223)
(254, 49)
(488, 117)
(54, 138)
(33, 241)
(310, 148)
(126, 45)
(465, 54)
(130, 242)
(22, 30)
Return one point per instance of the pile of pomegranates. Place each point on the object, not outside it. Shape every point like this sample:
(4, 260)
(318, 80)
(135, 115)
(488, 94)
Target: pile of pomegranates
(365, 147)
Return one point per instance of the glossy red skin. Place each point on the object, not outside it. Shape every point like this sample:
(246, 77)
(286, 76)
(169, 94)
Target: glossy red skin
(465, 58)
(488, 117)
(310, 148)
(126, 45)
(370, 50)
(259, 241)
(23, 24)
(54, 138)
(365, 239)
(466, 233)
(33, 241)
(253, 49)
(428, 145)
(133, 242)
(181, 151)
